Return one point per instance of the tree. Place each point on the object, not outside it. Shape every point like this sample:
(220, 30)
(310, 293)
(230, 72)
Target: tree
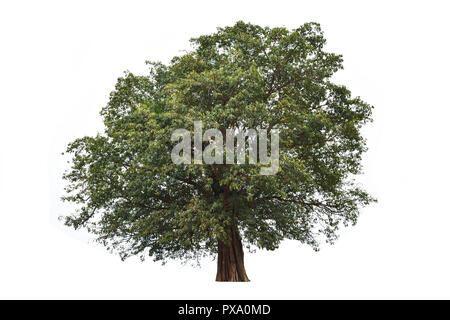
(138, 202)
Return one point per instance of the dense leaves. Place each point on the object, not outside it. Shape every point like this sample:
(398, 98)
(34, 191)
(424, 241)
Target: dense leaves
(137, 201)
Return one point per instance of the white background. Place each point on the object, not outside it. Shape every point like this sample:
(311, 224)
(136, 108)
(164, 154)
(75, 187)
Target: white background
(58, 63)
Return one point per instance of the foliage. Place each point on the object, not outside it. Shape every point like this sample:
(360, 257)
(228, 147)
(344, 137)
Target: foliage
(136, 201)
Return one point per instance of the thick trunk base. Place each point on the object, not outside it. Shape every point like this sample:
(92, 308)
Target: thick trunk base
(230, 260)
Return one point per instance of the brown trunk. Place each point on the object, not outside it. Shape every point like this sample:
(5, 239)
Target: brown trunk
(230, 260)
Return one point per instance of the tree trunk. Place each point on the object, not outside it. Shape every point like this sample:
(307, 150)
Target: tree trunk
(230, 260)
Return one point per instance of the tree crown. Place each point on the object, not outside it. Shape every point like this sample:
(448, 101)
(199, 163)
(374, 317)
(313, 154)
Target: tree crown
(137, 201)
